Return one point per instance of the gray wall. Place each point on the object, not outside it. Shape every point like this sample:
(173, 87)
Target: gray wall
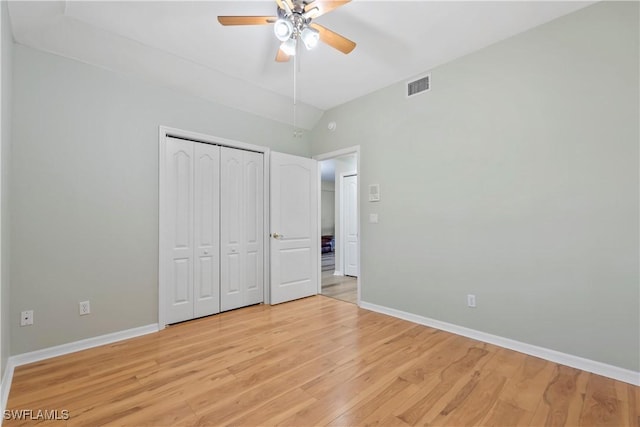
(84, 188)
(5, 155)
(516, 179)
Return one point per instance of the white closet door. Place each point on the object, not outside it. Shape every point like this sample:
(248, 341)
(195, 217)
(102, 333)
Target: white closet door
(254, 227)
(241, 230)
(207, 230)
(179, 229)
(350, 224)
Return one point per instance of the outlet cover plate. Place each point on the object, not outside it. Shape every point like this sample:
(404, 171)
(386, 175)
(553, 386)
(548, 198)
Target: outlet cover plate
(84, 307)
(26, 318)
(471, 300)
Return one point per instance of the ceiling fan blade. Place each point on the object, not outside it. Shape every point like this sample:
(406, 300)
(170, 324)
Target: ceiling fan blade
(334, 39)
(247, 20)
(281, 5)
(324, 6)
(281, 56)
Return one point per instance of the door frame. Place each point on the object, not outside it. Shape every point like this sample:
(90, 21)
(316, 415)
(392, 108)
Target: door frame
(329, 156)
(163, 133)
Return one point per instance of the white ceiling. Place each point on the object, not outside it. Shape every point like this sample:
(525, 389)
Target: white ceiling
(181, 45)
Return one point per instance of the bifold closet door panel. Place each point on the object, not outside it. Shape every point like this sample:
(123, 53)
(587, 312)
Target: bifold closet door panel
(254, 227)
(241, 228)
(230, 228)
(178, 229)
(207, 230)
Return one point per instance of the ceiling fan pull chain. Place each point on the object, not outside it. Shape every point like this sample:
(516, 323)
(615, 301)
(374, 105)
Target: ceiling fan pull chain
(295, 89)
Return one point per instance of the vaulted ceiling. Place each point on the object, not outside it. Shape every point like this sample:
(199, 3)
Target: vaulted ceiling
(181, 45)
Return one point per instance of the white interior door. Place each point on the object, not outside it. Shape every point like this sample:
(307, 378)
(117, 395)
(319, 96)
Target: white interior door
(207, 230)
(241, 229)
(178, 229)
(294, 227)
(350, 224)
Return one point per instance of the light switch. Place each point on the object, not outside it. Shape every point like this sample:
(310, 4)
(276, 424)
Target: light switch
(373, 218)
(374, 193)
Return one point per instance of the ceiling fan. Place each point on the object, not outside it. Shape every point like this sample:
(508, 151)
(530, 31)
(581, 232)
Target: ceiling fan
(293, 24)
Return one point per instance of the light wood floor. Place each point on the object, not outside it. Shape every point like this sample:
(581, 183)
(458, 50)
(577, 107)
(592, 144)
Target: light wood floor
(316, 361)
(344, 288)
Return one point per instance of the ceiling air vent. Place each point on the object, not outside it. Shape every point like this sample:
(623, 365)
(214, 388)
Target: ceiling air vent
(423, 84)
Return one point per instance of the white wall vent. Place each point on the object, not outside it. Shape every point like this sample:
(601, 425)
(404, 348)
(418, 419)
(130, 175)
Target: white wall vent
(420, 85)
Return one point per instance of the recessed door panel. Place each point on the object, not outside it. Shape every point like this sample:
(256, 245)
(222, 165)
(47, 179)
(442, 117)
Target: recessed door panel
(296, 265)
(205, 286)
(181, 282)
(207, 186)
(251, 201)
(232, 286)
(252, 270)
(294, 204)
(182, 164)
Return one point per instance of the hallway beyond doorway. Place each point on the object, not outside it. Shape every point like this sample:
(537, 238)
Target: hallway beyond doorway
(344, 288)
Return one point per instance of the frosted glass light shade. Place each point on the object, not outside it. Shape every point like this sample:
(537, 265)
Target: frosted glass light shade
(283, 29)
(310, 37)
(289, 47)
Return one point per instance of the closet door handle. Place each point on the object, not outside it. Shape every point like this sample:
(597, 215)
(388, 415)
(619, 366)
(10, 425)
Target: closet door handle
(277, 236)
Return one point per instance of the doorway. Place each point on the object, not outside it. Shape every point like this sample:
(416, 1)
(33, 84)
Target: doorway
(339, 225)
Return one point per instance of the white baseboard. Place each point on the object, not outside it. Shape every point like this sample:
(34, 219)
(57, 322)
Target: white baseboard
(577, 362)
(72, 347)
(59, 350)
(338, 273)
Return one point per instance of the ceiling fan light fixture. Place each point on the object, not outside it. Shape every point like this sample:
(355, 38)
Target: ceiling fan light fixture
(283, 29)
(289, 47)
(310, 37)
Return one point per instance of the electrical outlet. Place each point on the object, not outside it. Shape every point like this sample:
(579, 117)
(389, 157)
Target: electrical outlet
(26, 318)
(471, 300)
(84, 307)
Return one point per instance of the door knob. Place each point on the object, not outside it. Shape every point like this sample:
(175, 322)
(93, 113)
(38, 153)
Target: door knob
(276, 235)
(206, 252)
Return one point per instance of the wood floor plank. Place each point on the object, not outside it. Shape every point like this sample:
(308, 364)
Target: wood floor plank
(505, 414)
(449, 376)
(601, 405)
(553, 410)
(634, 405)
(523, 386)
(276, 410)
(390, 396)
(576, 403)
(315, 361)
(471, 404)
(224, 410)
